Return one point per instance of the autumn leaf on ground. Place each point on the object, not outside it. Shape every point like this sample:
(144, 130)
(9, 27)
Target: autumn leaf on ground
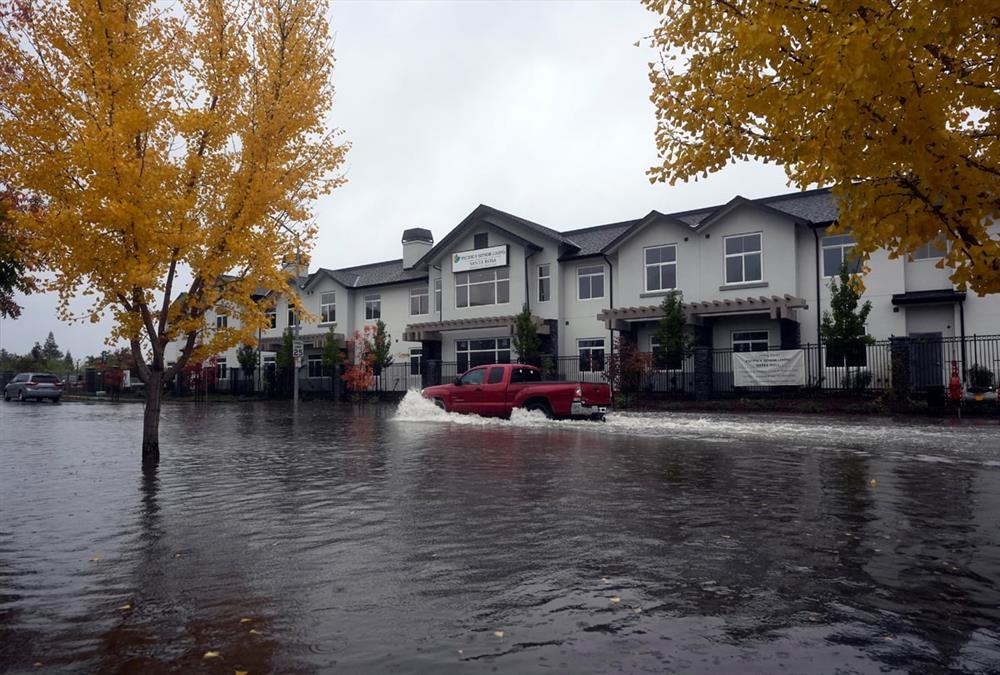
(211, 655)
(616, 599)
(498, 633)
(96, 558)
(126, 607)
(245, 620)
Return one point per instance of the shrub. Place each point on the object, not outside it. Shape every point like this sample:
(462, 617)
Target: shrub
(980, 377)
(857, 380)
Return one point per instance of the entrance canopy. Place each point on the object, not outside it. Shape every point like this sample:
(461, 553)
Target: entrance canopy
(778, 307)
(431, 330)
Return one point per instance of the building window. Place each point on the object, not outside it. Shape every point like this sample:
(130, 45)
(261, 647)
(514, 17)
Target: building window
(544, 283)
(483, 287)
(837, 250)
(328, 307)
(272, 318)
(472, 353)
(315, 364)
(419, 301)
(373, 307)
(743, 261)
(293, 318)
(590, 282)
(416, 356)
(661, 267)
(221, 320)
(932, 250)
(591, 351)
(750, 341)
(481, 240)
(221, 371)
(437, 294)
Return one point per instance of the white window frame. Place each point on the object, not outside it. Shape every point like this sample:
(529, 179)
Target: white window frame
(221, 321)
(469, 351)
(742, 255)
(930, 251)
(416, 359)
(324, 306)
(314, 360)
(423, 298)
(495, 282)
(581, 348)
(221, 368)
(545, 274)
(659, 267)
(750, 341)
(293, 319)
(373, 306)
(437, 295)
(845, 243)
(580, 276)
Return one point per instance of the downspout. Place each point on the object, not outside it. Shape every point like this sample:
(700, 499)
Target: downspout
(819, 347)
(527, 287)
(441, 303)
(611, 297)
(961, 324)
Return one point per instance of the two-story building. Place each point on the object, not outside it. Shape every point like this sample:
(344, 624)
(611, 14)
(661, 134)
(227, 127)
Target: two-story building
(754, 274)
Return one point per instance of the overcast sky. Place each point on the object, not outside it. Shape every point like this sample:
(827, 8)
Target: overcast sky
(537, 108)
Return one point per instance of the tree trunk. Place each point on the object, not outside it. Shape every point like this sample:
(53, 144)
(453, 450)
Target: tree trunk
(151, 419)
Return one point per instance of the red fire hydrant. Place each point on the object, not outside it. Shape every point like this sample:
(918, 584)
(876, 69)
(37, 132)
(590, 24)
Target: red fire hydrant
(955, 385)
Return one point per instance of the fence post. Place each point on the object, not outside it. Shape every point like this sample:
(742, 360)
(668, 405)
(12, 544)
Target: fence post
(702, 373)
(901, 383)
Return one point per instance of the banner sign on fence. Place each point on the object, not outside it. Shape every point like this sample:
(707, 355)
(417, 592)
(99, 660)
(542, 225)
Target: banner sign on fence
(769, 369)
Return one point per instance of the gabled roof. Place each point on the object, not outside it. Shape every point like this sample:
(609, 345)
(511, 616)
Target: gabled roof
(372, 274)
(737, 203)
(484, 213)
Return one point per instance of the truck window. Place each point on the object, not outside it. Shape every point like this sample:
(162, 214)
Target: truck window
(496, 376)
(525, 375)
(474, 376)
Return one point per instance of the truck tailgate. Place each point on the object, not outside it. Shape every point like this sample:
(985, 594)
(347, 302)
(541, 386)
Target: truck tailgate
(596, 393)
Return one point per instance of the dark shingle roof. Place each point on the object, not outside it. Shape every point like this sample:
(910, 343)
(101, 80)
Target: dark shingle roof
(816, 206)
(592, 240)
(372, 274)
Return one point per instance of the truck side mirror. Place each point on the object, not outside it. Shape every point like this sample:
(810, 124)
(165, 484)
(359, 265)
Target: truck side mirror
(458, 381)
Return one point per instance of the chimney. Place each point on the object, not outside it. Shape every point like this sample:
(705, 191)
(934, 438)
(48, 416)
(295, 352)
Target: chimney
(416, 242)
(296, 264)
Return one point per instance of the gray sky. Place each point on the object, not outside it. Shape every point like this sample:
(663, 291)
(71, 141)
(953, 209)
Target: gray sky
(537, 108)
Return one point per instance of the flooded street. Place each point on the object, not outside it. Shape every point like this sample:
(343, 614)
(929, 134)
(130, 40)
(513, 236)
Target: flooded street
(411, 541)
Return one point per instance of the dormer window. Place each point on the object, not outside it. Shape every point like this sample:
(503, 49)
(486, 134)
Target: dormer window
(480, 240)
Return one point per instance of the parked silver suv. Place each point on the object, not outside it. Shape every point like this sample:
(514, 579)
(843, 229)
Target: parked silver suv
(33, 385)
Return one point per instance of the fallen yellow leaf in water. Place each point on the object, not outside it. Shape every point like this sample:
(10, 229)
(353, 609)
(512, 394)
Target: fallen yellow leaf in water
(498, 633)
(127, 606)
(38, 664)
(873, 482)
(241, 672)
(604, 579)
(245, 620)
(616, 599)
(253, 631)
(638, 610)
(211, 655)
(96, 558)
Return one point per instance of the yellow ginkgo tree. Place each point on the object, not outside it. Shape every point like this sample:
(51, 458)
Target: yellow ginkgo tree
(895, 103)
(172, 152)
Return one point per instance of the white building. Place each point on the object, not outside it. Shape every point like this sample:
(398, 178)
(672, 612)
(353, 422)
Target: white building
(755, 274)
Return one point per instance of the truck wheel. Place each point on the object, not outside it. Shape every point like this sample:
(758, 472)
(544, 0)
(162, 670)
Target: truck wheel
(440, 404)
(540, 406)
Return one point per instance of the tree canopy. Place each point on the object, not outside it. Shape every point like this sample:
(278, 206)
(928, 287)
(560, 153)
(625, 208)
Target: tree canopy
(166, 144)
(895, 103)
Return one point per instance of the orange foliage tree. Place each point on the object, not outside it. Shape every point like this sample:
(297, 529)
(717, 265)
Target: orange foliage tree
(172, 150)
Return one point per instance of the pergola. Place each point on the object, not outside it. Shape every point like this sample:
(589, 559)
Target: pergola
(777, 306)
(431, 330)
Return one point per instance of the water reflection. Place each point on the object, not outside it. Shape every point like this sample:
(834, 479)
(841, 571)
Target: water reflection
(351, 540)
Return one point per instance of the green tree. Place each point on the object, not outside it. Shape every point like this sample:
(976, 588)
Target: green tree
(381, 347)
(50, 350)
(843, 327)
(673, 342)
(37, 354)
(526, 341)
(284, 359)
(14, 277)
(68, 363)
(332, 356)
(246, 355)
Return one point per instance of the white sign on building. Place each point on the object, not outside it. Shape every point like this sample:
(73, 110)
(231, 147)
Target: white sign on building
(769, 369)
(479, 259)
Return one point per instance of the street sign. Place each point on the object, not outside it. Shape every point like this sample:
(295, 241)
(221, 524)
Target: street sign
(298, 349)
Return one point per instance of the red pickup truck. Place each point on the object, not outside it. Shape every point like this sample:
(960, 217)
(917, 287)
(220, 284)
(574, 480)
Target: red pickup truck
(495, 390)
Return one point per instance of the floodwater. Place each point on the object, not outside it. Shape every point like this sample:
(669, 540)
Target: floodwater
(411, 541)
